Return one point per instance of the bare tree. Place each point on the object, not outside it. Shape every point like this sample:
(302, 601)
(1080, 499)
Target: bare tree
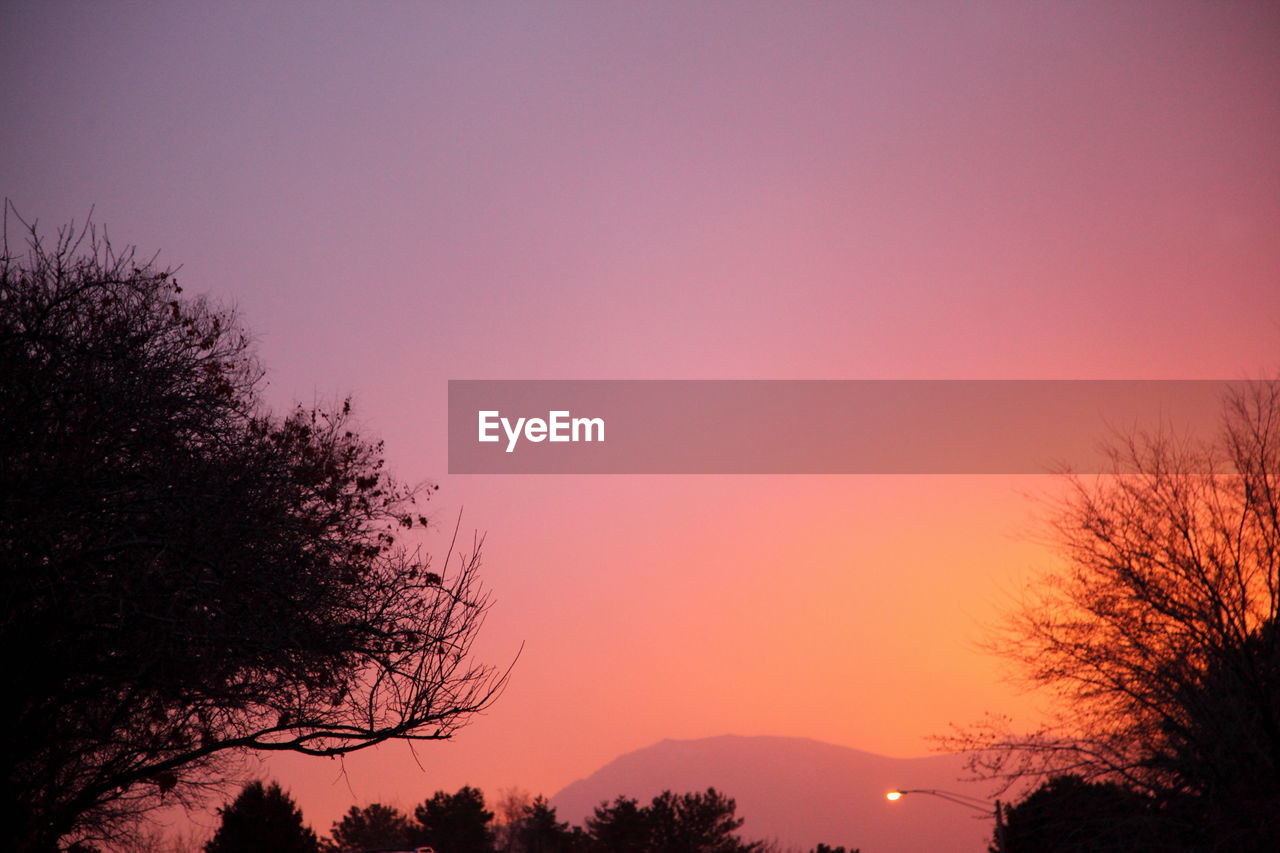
(187, 577)
(510, 811)
(1158, 634)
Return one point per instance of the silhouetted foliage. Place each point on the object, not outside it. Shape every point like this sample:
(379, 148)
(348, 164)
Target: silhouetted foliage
(539, 831)
(460, 823)
(695, 823)
(1159, 636)
(1224, 746)
(262, 819)
(186, 576)
(671, 823)
(1070, 815)
(456, 823)
(371, 828)
(621, 826)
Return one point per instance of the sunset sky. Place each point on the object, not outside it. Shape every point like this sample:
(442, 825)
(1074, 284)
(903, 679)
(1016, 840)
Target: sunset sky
(399, 194)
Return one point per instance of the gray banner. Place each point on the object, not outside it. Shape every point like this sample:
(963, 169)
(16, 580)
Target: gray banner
(813, 426)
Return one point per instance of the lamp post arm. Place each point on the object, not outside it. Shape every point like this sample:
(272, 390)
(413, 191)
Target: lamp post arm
(951, 796)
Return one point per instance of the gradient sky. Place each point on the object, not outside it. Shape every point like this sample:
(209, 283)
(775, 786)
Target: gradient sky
(398, 194)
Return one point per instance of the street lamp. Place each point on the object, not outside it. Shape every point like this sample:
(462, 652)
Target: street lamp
(989, 808)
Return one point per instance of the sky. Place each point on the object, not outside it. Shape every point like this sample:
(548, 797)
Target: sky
(397, 194)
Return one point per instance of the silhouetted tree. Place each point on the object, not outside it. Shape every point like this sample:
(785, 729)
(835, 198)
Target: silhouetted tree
(370, 828)
(183, 575)
(1224, 747)
(538, 831)
(823, 848)
(262, 819)
(696, 823)
(455, 823)
(1158, 634)
(1070, 815)
(671, 823)
(621, 826)
(509, 812)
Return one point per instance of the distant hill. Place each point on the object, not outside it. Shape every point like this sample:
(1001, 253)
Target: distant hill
(800, 792)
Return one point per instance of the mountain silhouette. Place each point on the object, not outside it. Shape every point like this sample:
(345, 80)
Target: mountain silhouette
(800, 792)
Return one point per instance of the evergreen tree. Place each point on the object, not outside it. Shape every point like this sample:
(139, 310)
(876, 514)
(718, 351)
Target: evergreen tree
(455, 823)
(619, 827)
(262, 819)
(696, 823)
(671, 823)
(372, 827)
(540, 832)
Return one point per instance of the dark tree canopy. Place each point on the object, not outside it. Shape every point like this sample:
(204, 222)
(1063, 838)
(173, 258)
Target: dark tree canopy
(262, 819)
(696, 823)
(1158, 633)
(671, 823)
(622, 825)
(186, 576)
(373, 827)
(1070, 815)
(457, 823)
(462, 823)
(539, 831)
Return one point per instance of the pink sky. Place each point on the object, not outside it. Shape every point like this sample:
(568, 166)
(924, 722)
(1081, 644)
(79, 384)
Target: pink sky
(400, 194)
